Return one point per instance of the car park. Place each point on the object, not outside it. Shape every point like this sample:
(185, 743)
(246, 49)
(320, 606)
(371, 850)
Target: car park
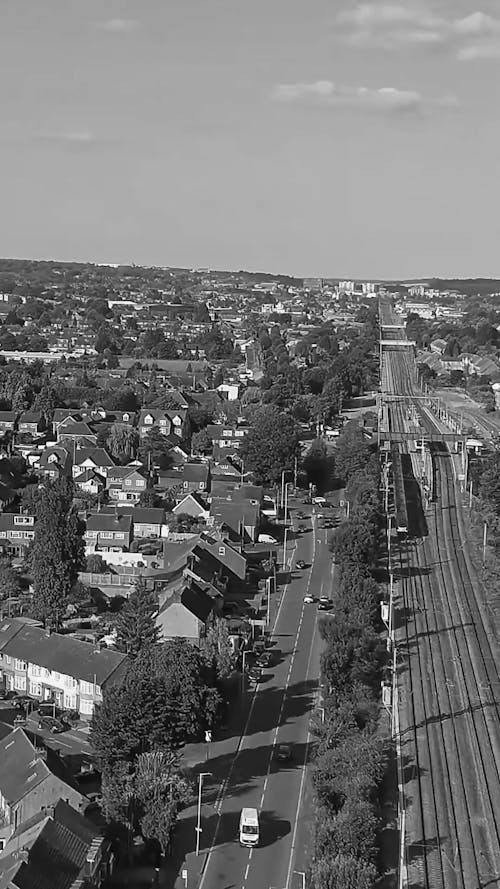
(283, 752)
(308, 599)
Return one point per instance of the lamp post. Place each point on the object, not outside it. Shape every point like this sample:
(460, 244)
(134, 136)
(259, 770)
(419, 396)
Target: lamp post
(287, 485)
(322, 711)
(284, 548)
(198, 825)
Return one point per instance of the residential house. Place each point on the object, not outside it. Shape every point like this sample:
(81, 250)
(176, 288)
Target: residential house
(90, 482)
(196, 477)
(438, 346)
(79, 433)
(230, 391)
(31, 423)
(126, 483)
(179, 451)
(192, 505)
(55, 462)
(57, 848)
(216, 560)
(97, 459)
(170, 481)
(126, 418)
(226, 436)
(146, 521)
(241, 519)
(186, 618)
(27, 784)
(8, 421)
(50, 666)
(108, 532)
(16, 532)
(63, 416)
(172, 421)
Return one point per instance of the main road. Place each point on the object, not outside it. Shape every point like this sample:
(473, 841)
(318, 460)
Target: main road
(280, 713)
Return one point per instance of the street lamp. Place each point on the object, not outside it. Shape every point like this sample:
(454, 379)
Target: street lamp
(198, 825)
(322, 711)
(284, 547)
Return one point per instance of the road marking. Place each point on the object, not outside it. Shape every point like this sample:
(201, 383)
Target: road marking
(246, 872)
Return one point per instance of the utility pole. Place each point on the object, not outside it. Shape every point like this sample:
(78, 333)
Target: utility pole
(198, 824)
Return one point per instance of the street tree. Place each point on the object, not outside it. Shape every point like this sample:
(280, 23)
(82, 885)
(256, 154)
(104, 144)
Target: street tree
(217, 649)
(343, 872)
(135, 625)
(57, 554)
(160, 790)
(271, 445)
(155, 449)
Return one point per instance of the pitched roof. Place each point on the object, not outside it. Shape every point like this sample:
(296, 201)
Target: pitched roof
(20, 767)
(61, 453)
(99, 456)
(105, 521)
(7, 416)
(30, 417)
(75, 429)
(195, 472)
(139, 514)
(232, 512)
(197, 601)
(121, 472)
(64, 654)
(55, 843)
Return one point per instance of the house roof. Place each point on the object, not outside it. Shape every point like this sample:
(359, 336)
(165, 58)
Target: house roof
(89, 475)
(7, 522)
(98, 456)
(57, 842)
(121, 472)
(61, 453)
(232, 512)
(197, 601)
(105, 521)
(139, 514)
(20, 767)
(30, 417)
(76, 429)
(8, 416)
(64, 654)
(192, 497)
(195, 472)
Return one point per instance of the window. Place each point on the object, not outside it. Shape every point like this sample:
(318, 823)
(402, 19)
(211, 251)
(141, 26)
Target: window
(226, 433)
(35, 689)
(128, 481)
(57, 676)
(16, 534)
(86, 707)
(34, 669)
(148, 420)
(119, 535)
(222, 550)
(201, 485)
(29, 535)
(8, 659)
(20, 665)
(86, 688)
(107, 534)
(23, 520)
(20, 683)
(141, 483)
(163, 422)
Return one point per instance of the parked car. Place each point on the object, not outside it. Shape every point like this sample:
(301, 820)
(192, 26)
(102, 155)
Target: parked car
(308, 599)
(283, 752)
(54, 726)
(324, 603)
(265, 659)
(6, 695)
(266, 538)
(300, 563)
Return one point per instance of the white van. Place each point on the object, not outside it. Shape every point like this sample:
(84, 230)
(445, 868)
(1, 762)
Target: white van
(249, 827)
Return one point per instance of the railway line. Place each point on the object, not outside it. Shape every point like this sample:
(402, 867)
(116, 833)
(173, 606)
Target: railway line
(449, 682)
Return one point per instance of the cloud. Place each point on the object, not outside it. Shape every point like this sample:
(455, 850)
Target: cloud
(118, 26)
(393, 26)
(326, 93)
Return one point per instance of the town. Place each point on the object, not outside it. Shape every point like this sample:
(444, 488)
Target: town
(195, 616)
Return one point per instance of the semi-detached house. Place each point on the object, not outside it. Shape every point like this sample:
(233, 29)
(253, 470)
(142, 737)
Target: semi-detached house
(50, 666)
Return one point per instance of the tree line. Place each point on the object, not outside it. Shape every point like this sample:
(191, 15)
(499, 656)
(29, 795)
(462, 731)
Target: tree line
(351, 758)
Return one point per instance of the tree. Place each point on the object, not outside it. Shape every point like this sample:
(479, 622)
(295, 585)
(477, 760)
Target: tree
(201, 442)
(57, 554)
(123, 442)
(318, 466)
(10, 585)
(160, 790)
(272, 444)
(343, 872)
(95, 564)
(217, 649)
(156, 447)
(149, 499)
(136, 627)
(353, 452)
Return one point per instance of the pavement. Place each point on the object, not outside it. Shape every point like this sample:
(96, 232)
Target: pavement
(243, 771)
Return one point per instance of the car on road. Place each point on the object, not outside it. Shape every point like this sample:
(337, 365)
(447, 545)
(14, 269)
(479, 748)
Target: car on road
(283, 752)
(308, 599)
(54, 726)
(319, 501)
(266, 538)
(324, 603)
(300, 563)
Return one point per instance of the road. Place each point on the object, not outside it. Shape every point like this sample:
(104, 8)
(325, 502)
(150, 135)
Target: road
(280, 713)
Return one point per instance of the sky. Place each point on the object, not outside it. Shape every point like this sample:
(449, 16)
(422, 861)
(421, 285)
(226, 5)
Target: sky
(307, 137)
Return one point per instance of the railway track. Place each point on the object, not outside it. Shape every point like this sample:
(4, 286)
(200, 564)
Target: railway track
(449, 685)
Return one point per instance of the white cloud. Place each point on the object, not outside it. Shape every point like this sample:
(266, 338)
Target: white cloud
(118, 26)
(393, 26)
(328, 94)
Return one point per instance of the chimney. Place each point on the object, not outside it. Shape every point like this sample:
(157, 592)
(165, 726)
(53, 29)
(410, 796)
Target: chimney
(22, 855)
(41, 753)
